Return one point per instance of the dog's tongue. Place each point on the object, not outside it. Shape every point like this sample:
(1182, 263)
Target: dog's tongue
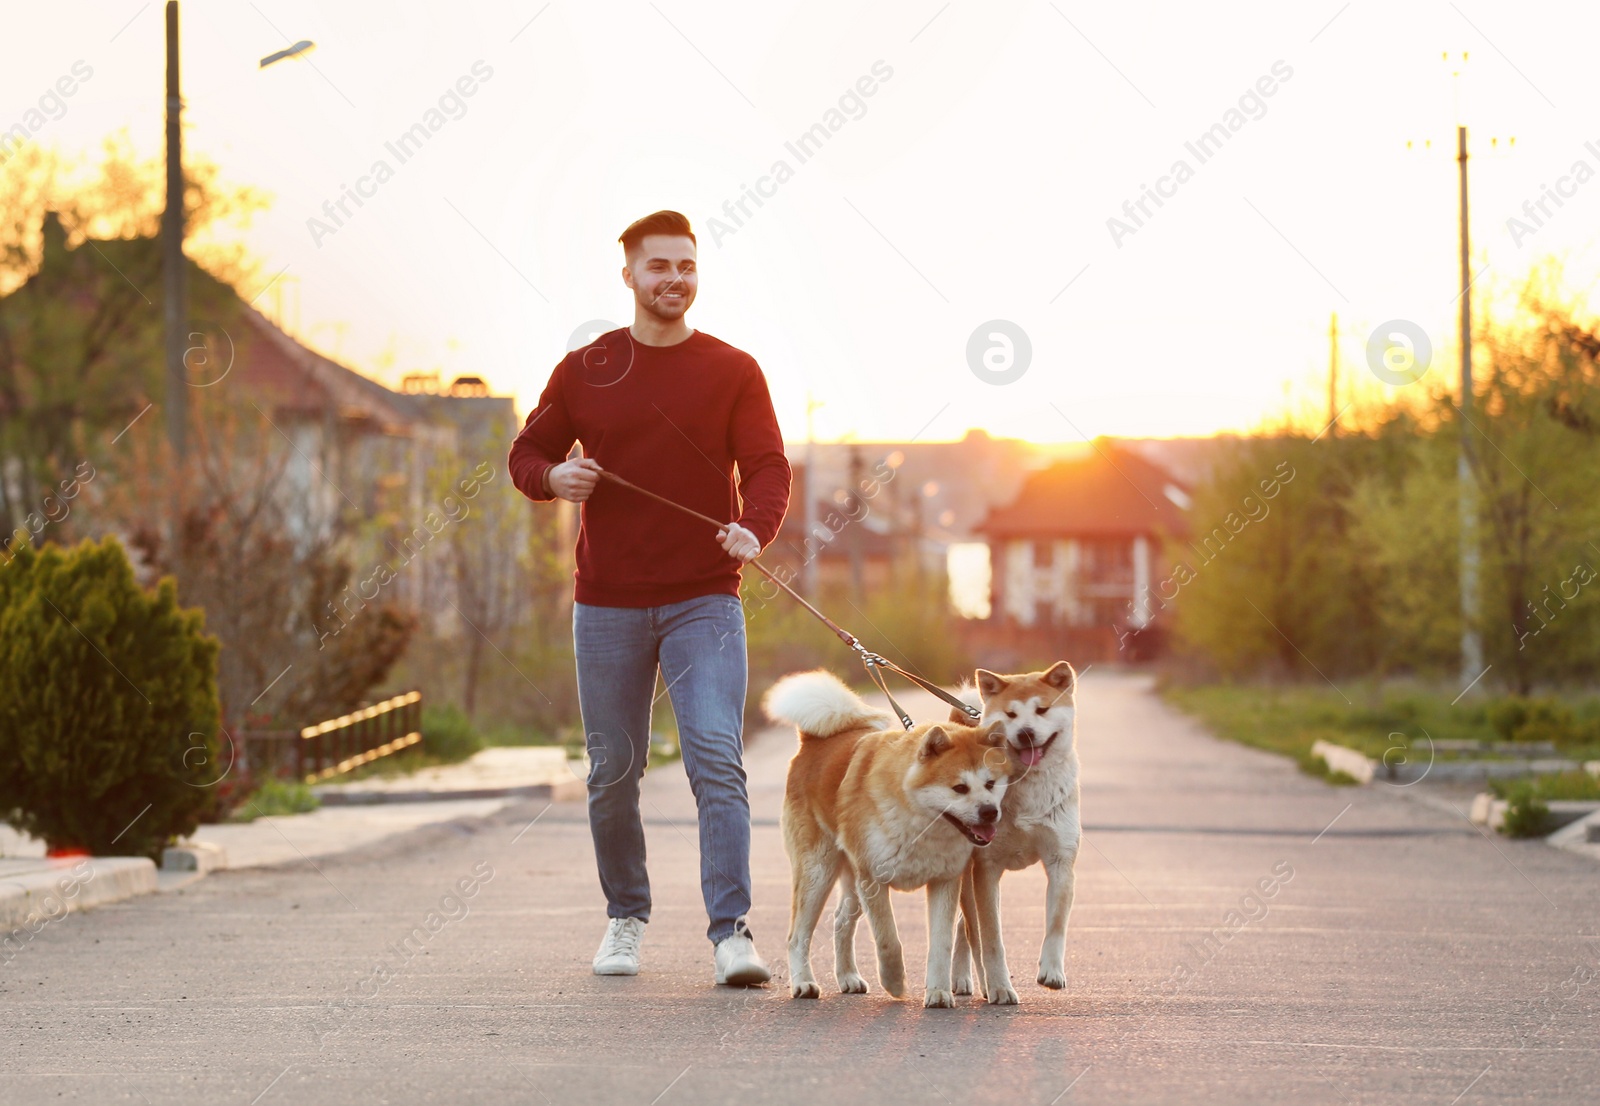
(1032, 755)
(984, 831)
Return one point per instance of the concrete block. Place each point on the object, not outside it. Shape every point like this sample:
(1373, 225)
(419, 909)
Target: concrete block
(1496, 816)
(1338, 758)
(1482, 803)
(194, 856)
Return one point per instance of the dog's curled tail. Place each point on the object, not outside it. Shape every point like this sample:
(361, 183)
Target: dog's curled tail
(818, 704)
(970, 696)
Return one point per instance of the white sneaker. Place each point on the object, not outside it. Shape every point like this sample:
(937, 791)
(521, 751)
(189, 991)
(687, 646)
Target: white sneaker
(619, 952)
(738, 963)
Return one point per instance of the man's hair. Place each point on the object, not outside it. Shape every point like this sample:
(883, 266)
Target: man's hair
(662, 222)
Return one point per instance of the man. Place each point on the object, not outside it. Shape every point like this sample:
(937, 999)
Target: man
(671, 409)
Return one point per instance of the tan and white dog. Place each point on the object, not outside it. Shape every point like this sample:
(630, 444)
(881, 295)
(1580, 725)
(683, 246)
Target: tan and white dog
(874, 808)
(1042, 823)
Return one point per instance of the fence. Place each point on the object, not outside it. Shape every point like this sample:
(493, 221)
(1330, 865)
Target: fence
(338, 745)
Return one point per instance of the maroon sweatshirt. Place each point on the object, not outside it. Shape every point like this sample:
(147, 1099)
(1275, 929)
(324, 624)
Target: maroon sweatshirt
(675, 420)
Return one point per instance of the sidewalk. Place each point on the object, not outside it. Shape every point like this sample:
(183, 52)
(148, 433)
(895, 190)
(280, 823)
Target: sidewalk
(523, 771)
(354, 815)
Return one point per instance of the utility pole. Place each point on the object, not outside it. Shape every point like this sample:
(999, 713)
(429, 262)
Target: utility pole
(854, 504)
(810, 548)
(176, 305)
(1471, 639)
(1333, 373)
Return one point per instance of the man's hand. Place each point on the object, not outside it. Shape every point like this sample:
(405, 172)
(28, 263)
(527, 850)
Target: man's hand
(740, 543)
(575, 479)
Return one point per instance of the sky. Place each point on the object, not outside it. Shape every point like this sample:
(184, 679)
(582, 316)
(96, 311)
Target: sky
(959, 211)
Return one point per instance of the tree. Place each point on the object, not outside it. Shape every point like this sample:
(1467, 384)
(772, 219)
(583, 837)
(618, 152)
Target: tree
(1356, 567)
(299, 641)
(487, 555)
(1269, 579)
(80, 320)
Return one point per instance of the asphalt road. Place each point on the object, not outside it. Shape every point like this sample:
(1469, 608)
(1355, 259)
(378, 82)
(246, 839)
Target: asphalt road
(1405, 958)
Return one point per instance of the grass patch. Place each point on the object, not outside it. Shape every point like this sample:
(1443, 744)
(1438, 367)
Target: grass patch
(1316, 766)
(1378, 719)
(1577, 786)
(1527, 815)
(448, 734)
(275, 796)
(1289, 720)
(510, 734)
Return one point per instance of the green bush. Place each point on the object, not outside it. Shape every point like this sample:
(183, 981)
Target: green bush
(1548, 721)
(1526, 813)
(447, 733)
(1507, 716)
(1517, 718)
(108, 703)
(276, 796)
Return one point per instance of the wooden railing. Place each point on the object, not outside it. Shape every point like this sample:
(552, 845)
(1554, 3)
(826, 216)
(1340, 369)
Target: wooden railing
(336, 746)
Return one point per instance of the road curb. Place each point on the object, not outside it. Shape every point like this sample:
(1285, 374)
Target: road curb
(32, 899)
(561, 791)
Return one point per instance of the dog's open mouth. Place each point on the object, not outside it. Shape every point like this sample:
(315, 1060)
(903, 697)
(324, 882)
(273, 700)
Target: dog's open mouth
(1030, 755)
(980, 834)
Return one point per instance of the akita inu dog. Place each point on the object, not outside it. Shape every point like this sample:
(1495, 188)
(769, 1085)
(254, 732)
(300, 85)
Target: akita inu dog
(875, 808)
(1042, 824)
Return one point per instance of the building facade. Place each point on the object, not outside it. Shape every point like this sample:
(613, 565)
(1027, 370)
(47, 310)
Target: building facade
(1074, 556)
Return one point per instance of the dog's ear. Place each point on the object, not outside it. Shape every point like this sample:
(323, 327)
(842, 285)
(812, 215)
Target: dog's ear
(990, 684)
(1061, 676)
(934, 742)
(995, 735)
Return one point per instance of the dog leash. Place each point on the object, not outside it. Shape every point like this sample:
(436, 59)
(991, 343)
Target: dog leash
(875, 664)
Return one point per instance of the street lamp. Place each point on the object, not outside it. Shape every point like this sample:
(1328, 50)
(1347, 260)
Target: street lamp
(304, 46)
(176, 306)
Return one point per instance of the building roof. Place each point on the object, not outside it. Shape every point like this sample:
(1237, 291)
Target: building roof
(1111, 492)
(296, 378)
(285, 377)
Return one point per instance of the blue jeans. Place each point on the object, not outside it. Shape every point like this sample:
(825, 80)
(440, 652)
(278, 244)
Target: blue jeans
(699, 645)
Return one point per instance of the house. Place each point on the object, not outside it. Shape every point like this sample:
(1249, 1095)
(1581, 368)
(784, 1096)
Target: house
(85, 340)
(852, 547)
(1074, 556)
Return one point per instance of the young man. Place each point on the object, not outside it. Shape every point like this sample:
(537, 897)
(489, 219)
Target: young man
(673, 410)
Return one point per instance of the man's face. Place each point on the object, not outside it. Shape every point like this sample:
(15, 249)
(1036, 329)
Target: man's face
(662, 275)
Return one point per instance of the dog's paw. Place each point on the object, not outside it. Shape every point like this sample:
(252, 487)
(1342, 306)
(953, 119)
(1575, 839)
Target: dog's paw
(851, 983)
(1003, 995)
(942, 1000)
(804, 990)
(1052, 977)
(893, 977)
(961, 985)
